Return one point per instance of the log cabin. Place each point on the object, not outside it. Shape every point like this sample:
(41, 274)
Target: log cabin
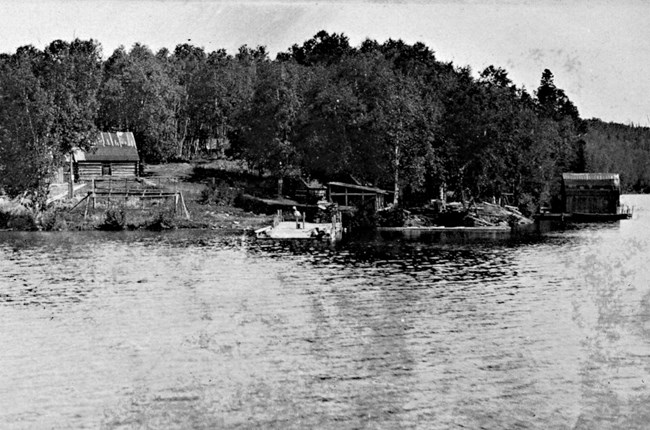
(112, 155)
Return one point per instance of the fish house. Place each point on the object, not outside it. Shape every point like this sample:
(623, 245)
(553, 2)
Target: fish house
(111, 155)
(591, 193)
(352, 195)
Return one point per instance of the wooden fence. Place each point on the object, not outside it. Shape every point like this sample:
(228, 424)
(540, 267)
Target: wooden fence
(124, 189)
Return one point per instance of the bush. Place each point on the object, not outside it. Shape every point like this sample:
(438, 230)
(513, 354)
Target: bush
(4, 219)
(219, 195)
(364, 217)
(394, 217)
(253, 204)
(52, 220)
(22, 222)
(114, 220)
(162, 220)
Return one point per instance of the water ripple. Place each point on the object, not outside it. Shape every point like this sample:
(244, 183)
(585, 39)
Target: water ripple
(196, 330)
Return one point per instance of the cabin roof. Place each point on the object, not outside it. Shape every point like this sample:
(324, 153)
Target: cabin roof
(358, 187)
(577, 179)
(313, 184)
(117, 146)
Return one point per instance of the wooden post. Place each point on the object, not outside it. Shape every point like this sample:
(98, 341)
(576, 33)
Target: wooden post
(94, 195)
(71, 181)
(277, 219)
(304, 215)
(187, 214)
(86, 211)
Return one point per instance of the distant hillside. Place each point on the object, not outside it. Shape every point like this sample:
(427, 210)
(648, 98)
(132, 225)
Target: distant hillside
(619, 148)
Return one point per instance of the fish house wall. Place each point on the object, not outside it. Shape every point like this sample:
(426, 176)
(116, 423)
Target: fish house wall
(591, 193)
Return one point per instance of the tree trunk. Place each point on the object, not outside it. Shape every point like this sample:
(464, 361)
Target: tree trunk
(396, 177)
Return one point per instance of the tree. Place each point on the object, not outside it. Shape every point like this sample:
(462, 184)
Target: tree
(139, 94)
(268, 124)
(26, 160)
(50, 106)
(323, 48)
(186, 65)
(567, 149)
(72, 75)
(364, 119)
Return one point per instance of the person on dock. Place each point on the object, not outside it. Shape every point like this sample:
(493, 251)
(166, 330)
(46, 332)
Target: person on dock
(297, 215)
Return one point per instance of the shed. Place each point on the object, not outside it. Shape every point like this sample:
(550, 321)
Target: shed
(111, 155)
(309, 191)
(351, 194)
(591, 193)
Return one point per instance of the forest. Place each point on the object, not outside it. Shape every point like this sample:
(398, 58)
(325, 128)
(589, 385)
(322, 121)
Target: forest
(389, 114)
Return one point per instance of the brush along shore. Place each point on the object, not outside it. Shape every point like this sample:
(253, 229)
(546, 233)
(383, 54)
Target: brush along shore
(481, 214)
(210, 194)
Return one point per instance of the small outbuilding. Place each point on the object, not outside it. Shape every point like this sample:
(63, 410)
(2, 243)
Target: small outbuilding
(591, 193)
(309, 191)
(353, 195)
(112, 155)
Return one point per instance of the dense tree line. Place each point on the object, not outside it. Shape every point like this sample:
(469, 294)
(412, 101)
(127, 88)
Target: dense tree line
(619, 148)
(389, 114)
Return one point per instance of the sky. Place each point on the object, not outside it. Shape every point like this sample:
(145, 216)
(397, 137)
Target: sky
(598, 51)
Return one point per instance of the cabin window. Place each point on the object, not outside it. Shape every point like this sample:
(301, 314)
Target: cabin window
(106, 169)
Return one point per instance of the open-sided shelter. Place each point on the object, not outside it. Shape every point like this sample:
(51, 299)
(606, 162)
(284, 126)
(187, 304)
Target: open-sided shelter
(591, 193)
(352, 195)
(112, 155)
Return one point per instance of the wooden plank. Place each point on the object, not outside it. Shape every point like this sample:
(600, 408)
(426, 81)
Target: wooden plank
(354, 194)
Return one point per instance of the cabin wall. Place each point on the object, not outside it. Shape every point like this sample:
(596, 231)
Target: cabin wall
(591, 201)
(92, 170)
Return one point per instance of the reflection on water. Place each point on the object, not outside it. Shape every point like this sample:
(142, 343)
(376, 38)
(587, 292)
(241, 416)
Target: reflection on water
(192, 330)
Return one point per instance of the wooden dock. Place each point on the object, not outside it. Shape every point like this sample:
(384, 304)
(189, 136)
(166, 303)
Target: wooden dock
(439, 234)
(290, 230)
(584, 217)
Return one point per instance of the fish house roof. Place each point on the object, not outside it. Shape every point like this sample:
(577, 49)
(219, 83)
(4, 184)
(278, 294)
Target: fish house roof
(117, 146)
(573, 180)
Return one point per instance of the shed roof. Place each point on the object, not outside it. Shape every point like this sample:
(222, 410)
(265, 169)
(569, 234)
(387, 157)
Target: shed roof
(313, 184)
(117, 146)
(358, 187)
(576, 179)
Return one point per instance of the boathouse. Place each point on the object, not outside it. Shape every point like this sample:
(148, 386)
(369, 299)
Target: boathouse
(111, 155)
(591, 193)
(354, 195)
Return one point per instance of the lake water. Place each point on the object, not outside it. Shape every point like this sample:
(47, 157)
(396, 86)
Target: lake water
(193, 330)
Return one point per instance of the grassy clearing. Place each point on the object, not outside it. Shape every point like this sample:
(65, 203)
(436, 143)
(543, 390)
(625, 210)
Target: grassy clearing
(209, 189)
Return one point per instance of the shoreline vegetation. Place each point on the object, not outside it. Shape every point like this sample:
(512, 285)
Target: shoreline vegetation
(389, 115)
(210, 207)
